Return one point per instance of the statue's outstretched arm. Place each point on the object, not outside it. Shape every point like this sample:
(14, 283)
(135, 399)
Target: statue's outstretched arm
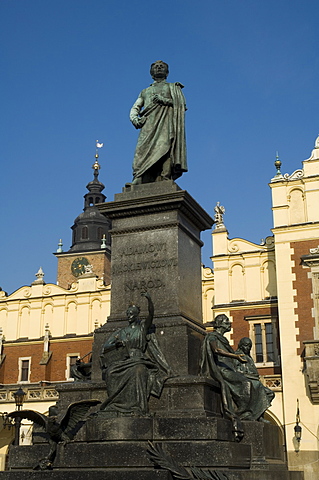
(149, 319)
(224, 353)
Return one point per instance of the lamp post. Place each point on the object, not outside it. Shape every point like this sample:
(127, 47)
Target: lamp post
(297, 429)
(19, 397)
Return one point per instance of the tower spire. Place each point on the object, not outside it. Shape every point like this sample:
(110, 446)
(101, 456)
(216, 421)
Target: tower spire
(90, 226)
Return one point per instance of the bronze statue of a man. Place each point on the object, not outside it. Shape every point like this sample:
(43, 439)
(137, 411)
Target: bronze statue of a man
(159, 112)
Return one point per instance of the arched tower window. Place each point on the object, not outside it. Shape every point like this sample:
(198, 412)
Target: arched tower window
(85, 233)
(100, 233)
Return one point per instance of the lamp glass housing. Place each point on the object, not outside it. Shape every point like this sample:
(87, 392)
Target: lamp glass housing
(19, 397)
(298, 431)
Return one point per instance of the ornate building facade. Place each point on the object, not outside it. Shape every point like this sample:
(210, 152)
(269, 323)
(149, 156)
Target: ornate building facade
(270, 292)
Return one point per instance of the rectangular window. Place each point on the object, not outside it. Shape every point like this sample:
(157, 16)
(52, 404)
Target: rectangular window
(24, 369)
(263, 336)
(258, 343)
(71, 358)
(269, 342)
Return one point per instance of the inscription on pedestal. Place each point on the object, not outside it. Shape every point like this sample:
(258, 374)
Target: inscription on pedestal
(148, 262)
(156, 248)
(149, 259)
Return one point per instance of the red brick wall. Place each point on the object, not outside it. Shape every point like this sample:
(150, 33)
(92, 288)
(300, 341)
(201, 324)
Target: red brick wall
(303, 286)
(55, 369)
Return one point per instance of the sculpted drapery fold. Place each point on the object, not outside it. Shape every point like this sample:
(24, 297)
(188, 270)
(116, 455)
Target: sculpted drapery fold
(159, 112)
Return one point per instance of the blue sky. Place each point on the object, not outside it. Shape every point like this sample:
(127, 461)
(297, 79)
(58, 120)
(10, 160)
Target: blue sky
(71, 70)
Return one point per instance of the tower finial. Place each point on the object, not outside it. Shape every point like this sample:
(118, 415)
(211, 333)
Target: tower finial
(40, 277)
(96, 166)
(98, 145)
(277, 165)
(60, 245)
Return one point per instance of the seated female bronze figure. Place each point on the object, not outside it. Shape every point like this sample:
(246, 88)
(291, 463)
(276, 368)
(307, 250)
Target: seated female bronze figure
(133, 365)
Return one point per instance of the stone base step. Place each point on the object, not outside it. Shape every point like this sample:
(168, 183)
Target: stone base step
(152, 474)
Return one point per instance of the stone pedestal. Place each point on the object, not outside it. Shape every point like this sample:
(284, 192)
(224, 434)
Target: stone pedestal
(156, 247)
(116, 449)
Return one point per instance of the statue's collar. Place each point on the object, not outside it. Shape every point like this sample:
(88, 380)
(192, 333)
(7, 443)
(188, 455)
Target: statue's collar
(158, 83)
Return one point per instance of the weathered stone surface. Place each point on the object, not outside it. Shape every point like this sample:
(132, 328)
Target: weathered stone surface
(147, 474)
(105, 428)
(156, 247)
(264, 439)
(184, 396)
(128, 454)
(123, 474)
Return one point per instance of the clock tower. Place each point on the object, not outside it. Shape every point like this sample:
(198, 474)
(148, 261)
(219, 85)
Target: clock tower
(91, 247)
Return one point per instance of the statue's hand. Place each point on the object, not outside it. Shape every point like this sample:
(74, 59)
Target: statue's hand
(158, 99)
(241, 358)
(146, 295)
(138, 122)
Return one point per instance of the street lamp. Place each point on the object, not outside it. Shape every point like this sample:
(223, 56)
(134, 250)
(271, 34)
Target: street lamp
(297, 429)
(19, 397)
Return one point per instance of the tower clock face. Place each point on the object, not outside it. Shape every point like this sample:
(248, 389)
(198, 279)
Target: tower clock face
(78, 265)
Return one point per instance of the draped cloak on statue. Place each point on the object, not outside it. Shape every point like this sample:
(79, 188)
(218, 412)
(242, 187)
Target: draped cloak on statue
(241, 396)
(133, 372)
(250, 371)
(163, 133)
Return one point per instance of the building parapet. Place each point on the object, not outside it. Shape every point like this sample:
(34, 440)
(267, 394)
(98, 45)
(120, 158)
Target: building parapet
(34, 392)
(274, 382)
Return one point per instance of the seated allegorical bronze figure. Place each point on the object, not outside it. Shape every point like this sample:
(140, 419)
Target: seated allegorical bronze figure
(133, 365)
(242, 398)
(250, 371)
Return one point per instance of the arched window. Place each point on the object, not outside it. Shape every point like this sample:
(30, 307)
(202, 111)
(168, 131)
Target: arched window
(100, 233)
(237, 282)
(85, 233)
(297, 206)
(268, 273)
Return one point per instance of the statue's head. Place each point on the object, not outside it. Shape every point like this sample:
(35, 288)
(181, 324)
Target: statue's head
(159, 70)
(222, 321)
(132, 313)
(245, 345)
